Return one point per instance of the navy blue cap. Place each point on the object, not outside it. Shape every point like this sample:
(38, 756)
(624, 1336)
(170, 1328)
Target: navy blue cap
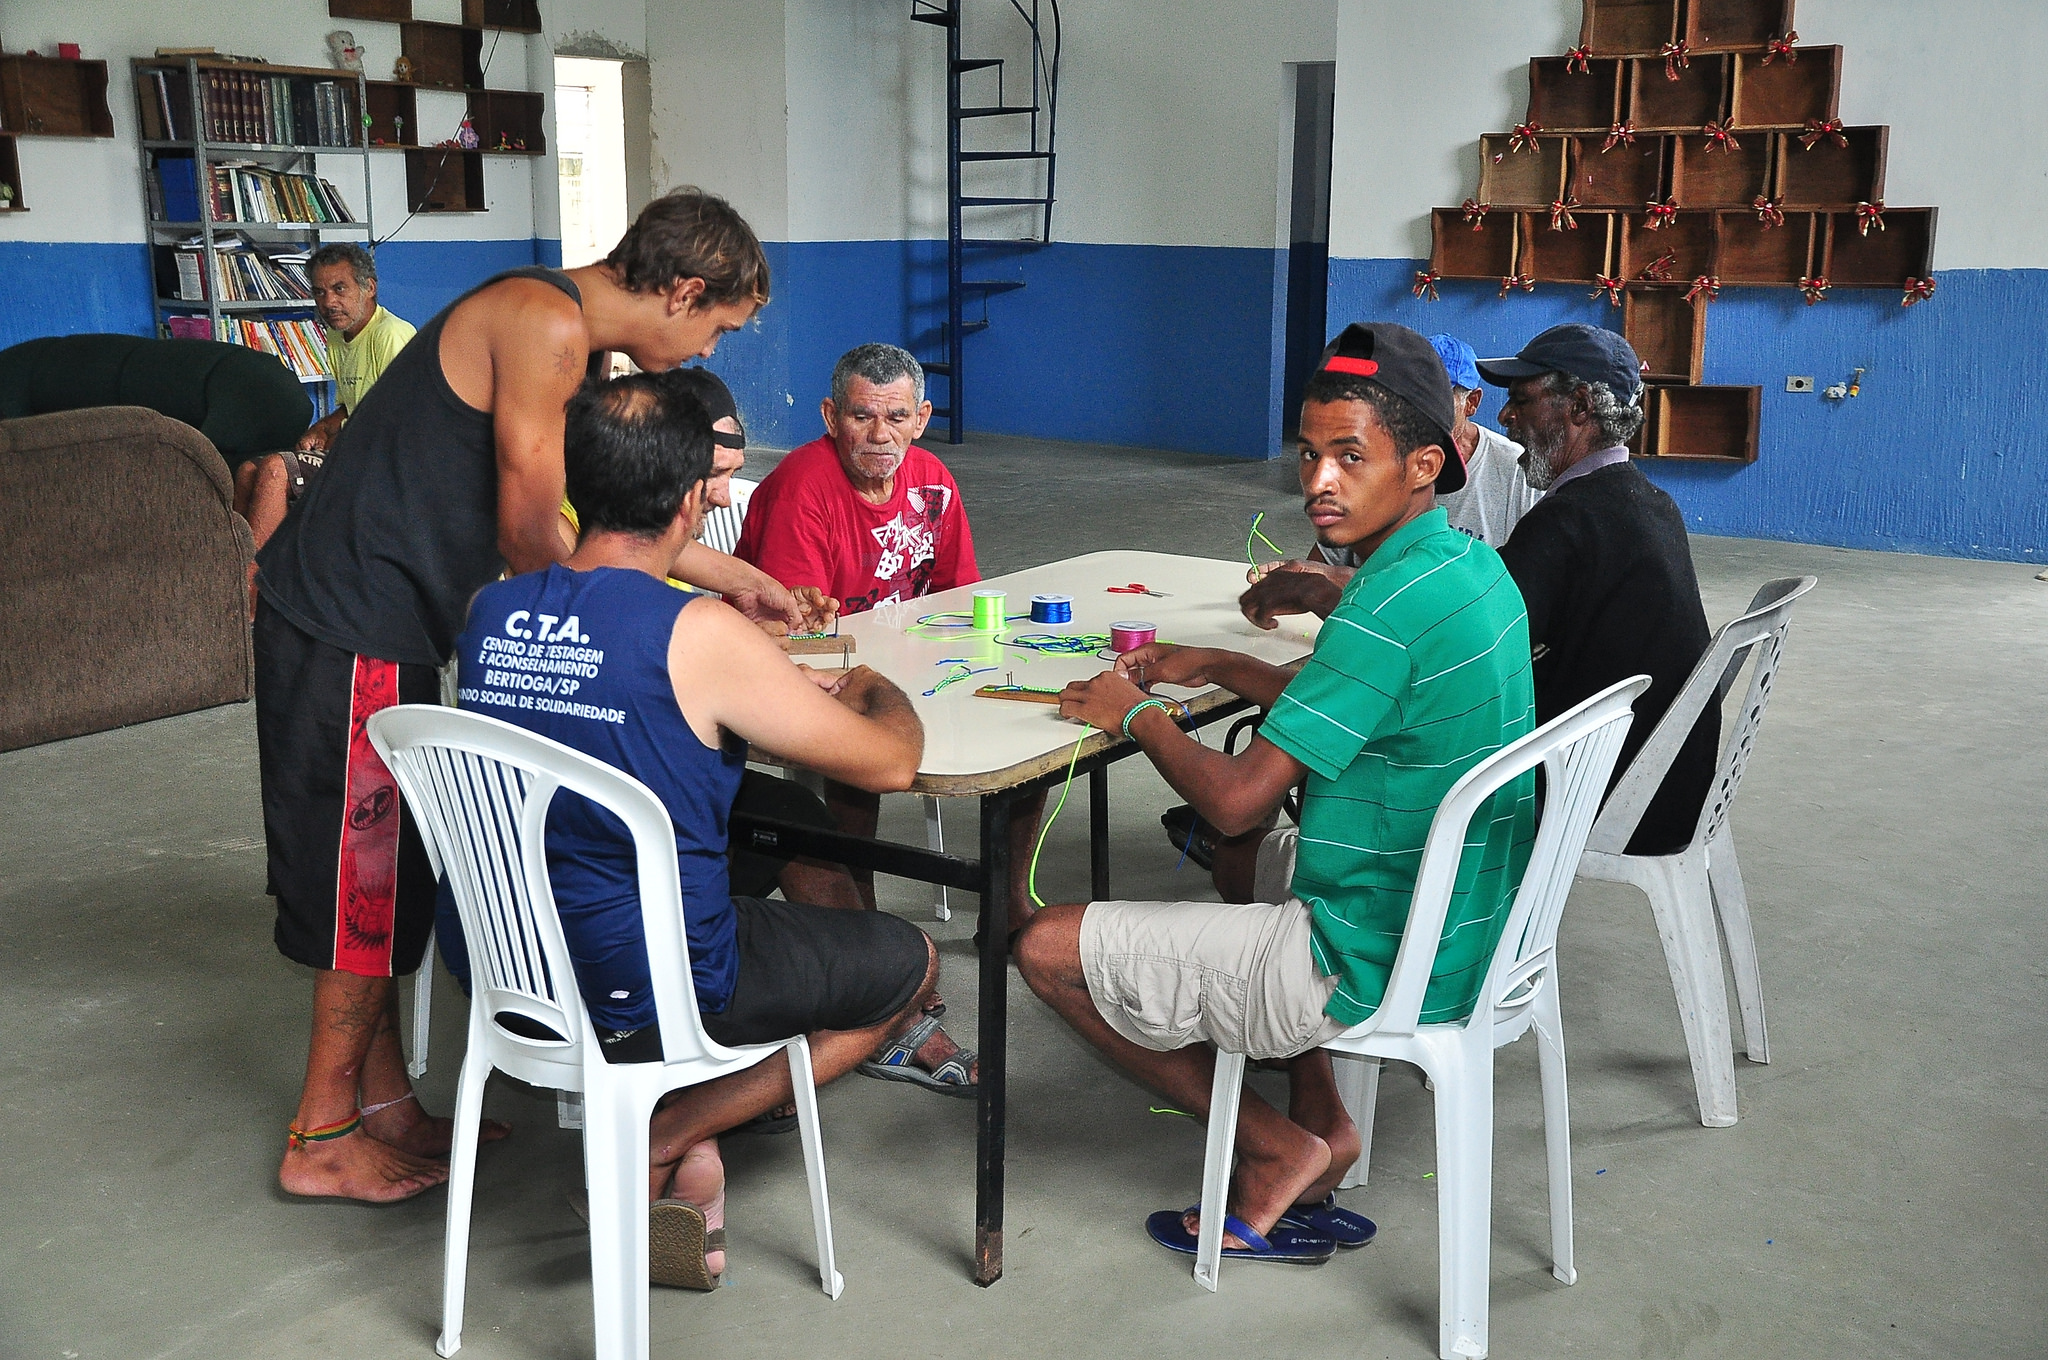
(1592, 354)
(1459, 361)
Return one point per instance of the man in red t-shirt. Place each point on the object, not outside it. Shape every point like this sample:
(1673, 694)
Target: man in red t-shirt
(862, 512)
(870, 518)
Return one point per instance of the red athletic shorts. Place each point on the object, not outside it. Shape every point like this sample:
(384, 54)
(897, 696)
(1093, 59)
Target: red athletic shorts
(354, 889)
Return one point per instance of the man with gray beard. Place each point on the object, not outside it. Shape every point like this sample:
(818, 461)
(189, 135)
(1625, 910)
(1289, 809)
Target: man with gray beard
(1602, 560)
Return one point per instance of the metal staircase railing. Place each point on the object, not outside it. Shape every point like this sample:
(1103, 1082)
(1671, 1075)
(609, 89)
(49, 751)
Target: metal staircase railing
(1043, 111)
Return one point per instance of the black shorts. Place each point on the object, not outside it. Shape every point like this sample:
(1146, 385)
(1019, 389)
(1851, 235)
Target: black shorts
(752, 873)
(354, 889)
(804, 969)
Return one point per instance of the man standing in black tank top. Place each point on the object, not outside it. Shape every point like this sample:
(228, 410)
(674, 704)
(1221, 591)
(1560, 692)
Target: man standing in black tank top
(450, 472)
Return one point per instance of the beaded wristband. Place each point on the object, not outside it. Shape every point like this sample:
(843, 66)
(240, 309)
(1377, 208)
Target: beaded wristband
(1159, 704)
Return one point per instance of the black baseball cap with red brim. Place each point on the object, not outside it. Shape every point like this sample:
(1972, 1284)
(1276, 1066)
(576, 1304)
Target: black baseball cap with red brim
(1408, 367)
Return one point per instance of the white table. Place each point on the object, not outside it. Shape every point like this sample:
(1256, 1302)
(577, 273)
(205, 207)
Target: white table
(1002, 751)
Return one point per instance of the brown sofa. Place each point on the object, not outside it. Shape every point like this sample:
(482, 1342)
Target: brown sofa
(124, 576)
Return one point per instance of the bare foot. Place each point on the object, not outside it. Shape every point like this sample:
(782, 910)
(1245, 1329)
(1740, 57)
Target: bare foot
(413, 1131)
(1264, 1188)
(358, 1167)
(700, 1179)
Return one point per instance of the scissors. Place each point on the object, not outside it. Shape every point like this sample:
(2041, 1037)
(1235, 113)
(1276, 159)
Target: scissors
(1135, 588)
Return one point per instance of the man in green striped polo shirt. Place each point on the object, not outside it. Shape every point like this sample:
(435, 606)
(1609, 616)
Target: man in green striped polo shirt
(1420, 672)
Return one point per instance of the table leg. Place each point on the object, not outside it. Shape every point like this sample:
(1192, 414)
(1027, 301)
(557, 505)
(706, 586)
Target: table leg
(991, 1114)
(1098, 833)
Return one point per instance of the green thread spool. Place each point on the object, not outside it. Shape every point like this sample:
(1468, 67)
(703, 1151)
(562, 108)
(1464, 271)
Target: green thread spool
(988, 610)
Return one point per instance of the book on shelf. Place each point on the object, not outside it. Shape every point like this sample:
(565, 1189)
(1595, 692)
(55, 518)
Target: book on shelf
(300, 346)
(242, 191)
(241, 272)
(248, 107)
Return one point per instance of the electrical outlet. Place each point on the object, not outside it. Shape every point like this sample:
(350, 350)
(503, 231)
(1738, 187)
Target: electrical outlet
(1798, 384)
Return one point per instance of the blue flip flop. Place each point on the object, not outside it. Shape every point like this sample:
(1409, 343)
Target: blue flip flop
(1287, 1244)
(1347, 1229)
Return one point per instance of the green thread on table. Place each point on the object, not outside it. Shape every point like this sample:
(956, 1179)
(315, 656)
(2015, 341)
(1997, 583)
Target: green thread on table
(1256, 535)
(1031, 880)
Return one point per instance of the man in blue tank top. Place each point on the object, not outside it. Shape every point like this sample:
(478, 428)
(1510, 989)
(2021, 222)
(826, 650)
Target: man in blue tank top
(599, 653)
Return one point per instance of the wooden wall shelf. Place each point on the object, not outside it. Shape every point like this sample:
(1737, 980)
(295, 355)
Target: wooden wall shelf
(10, 173)
(1883, 259)
(1668, 333)
(1702, 424)
(513, 16)
(1699, 96)
(391, 100)
(1749, 253)
(51, 97)
(1579, 256)
(1736, 23)
(444, 179)
(1828, 176)
(1704, 175)
(1628, 176)
(1532, 177)
(1563, 100)
(1621, 27)
(443, 56)
(1458, 252)
(509, 121)
(1689, 239)
(387, 11)
(1785, 94)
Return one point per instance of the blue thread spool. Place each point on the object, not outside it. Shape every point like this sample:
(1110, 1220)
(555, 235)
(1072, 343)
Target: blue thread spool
(988, 610)
(1052, 609)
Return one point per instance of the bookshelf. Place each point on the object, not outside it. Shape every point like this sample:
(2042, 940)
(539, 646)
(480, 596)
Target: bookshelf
(234, 197)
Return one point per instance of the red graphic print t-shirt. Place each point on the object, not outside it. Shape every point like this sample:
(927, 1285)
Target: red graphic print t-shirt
(807, 526)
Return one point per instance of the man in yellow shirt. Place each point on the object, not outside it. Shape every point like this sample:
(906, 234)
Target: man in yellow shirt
(362, 340)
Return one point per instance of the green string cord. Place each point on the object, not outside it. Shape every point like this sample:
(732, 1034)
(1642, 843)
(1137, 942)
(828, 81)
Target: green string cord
(1255, 535)
(1031, 881)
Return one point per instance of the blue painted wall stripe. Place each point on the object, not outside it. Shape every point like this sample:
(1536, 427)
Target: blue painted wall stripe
(1942, 453)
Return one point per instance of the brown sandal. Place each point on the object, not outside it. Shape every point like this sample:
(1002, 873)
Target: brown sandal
(677, 1241)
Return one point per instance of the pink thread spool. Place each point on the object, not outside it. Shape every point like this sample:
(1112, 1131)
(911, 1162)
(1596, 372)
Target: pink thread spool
(1131, 634)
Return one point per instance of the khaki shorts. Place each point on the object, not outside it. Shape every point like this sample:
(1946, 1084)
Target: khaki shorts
(1169, 974)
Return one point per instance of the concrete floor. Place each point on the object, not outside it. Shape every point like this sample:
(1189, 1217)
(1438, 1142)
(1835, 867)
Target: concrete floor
(1882, 1195)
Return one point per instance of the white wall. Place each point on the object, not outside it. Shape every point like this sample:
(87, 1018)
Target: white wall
(824, 120)
(1961, 86)
(91, 190)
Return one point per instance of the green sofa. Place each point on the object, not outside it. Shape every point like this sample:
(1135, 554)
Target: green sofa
(243, 400)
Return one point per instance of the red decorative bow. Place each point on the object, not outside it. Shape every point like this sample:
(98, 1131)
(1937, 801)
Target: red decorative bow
(1782, 47)
(1719, 134)
(1577, 59)
(1657, 216)
(1610, 286)
(1917, 290)
(1425, 284)
(1677, 57)
(1818, 129)
(1768, 213)
(1815, 289)
(1475, 213)
(1561, 218)
(1869, 215)
(1523, 138)
(1521, 281)
(1617, 133)
(1659, 269)
(1705, 286)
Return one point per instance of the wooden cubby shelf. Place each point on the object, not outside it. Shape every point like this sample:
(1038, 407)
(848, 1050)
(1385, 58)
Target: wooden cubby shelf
(1564, 100)
(1750, 253)
(1459, 252)
(443, 56)
(386, 11)
(1903, 250)
(1699, 96)
(1578, 256)
(1702, 424)
(1736, 23)
(1825, 175)
(444, 179)
(1628, 175)
(1785, 94)
(508, 121)
(1704, 175)
(1621, 27)
(51, 97)
(1668, 333)
(1531, 177)
(513, 16)
(1688, 239)
(10, 174)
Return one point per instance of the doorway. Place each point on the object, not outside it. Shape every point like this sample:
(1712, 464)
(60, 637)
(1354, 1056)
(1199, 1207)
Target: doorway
(590, 146)
(1308, 232)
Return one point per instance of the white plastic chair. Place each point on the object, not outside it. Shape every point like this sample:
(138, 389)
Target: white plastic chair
(479, 790)
(722, 526)
(1577, 750)
(1688, 888)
